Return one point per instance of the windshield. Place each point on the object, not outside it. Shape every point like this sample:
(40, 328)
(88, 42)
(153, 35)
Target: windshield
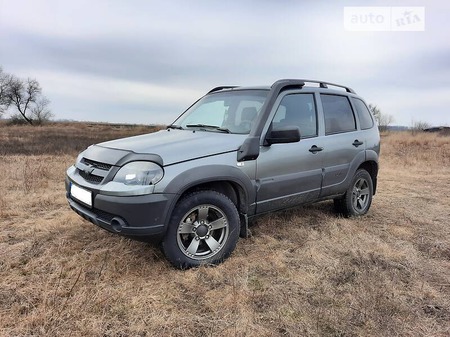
(231, 111)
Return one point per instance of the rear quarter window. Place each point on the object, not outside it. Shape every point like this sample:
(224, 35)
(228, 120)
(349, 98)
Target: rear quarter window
(365, 117)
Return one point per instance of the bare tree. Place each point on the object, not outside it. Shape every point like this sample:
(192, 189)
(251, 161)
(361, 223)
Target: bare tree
(383, 120)
(26, 96)
(23, 94)
(418, 126)
(40, 113)
(421, 125)
(5, 81)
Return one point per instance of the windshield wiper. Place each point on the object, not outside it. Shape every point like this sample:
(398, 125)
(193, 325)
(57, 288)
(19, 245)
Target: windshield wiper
(173, 126)
(215, 127)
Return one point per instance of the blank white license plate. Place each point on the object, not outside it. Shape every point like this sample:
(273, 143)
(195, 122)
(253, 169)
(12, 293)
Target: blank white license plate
(81, 194)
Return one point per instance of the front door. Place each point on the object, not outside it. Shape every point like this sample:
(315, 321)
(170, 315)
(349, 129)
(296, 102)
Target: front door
(291, 174)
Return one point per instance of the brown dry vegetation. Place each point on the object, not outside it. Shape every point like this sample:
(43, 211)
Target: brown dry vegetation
(305, 271)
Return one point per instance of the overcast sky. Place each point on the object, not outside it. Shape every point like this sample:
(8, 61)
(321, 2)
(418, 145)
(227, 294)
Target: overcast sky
(146, 61)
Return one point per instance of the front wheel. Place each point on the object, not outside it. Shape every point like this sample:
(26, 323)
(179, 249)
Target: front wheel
(358, 198)
(203, 229)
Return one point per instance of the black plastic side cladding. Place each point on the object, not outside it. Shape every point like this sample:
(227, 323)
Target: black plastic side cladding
(213, 173)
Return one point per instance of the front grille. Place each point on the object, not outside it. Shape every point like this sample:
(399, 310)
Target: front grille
(96, 164)
(92, 178)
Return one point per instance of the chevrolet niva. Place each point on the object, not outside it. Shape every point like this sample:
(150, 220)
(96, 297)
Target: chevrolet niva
(235, 153)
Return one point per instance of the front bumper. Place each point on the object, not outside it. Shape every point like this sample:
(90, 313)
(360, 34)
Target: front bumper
(142, 217)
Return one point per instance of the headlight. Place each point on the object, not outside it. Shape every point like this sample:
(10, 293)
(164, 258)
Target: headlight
(139, 173)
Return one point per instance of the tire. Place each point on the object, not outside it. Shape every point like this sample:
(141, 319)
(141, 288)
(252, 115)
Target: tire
(203, 230)
(358, 197)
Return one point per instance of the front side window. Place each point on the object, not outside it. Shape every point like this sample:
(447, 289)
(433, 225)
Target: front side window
(297, 110)
(338, 114)
(233, 111)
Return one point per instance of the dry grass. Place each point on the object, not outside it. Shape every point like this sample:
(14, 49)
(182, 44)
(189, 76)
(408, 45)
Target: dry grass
(305, 272)
(62, 138)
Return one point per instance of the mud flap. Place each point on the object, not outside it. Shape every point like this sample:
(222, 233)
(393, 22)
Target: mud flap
(245, 231)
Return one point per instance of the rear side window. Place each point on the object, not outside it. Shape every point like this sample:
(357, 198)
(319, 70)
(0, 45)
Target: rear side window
(365, 118)
(297, 110)
(338, 114)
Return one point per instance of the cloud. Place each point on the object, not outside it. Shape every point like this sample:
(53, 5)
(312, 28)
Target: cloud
(92, 98)
(160, 56)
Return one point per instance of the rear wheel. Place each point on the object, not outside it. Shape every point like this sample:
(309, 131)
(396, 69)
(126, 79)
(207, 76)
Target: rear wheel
(203, 229)
(358, 198)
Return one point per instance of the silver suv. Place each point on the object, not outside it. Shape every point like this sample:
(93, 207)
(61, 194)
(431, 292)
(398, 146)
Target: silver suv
(235, 153)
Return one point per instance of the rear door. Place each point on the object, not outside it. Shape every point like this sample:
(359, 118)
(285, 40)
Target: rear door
(290, 174)
(343, 142)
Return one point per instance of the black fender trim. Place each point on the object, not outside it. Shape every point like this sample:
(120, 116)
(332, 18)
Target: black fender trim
(372, 156)
(362, 158)
(210, 174)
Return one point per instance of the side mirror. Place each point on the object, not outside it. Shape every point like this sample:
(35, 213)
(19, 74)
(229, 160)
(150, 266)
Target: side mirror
(285, 134)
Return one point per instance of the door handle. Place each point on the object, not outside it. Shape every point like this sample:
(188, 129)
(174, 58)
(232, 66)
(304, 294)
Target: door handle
(315, 149)
(357, 143)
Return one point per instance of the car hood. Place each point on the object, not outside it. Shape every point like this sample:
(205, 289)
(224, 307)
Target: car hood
(175, 146)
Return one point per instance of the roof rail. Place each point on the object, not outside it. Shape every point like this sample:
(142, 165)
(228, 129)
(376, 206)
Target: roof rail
(323, 84)
(291, 84)
(222, 87)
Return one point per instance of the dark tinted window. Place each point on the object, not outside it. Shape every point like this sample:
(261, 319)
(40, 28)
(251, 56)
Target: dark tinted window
(365, 118)
(298, 110)
(338, 114)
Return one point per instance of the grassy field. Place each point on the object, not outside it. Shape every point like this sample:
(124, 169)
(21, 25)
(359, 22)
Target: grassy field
(304, 272)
